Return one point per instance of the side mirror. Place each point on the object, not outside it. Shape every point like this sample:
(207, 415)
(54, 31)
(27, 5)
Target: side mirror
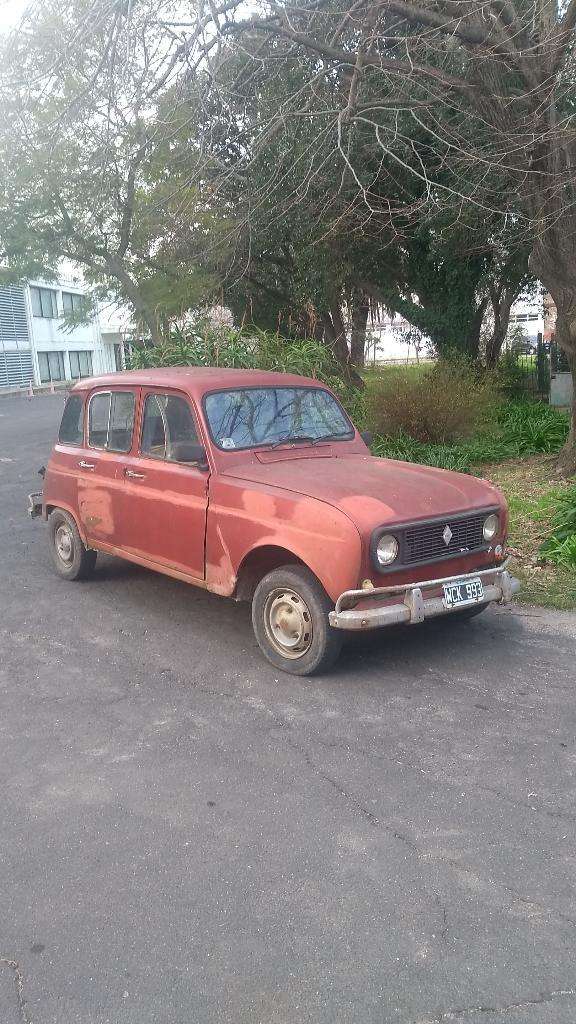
(185, 451)
(367, 436)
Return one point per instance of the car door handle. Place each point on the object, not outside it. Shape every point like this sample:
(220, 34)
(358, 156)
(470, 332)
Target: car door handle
(86, 465)
(133, 475)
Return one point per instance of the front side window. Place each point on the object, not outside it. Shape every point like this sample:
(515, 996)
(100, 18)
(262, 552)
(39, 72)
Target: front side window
(51, 366)
(80, 365)
(111, 420)
(168, 429)
(43, 302)
(254, 417)
(71, 431)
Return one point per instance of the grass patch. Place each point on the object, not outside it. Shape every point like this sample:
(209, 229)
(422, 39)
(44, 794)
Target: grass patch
(533, 489)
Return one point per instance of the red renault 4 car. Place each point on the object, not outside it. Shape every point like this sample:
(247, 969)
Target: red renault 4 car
(257, 486)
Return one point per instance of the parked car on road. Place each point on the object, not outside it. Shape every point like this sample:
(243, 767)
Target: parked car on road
(257, 486)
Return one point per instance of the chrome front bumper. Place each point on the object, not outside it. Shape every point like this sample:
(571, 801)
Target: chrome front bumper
(413, 605)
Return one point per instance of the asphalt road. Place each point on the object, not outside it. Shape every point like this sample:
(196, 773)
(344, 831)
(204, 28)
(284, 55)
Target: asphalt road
(187, 838)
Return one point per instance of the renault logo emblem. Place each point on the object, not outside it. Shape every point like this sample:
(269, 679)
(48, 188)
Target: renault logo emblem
(447, 535)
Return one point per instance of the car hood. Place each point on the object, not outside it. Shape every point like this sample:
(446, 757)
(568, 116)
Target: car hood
(372, 491)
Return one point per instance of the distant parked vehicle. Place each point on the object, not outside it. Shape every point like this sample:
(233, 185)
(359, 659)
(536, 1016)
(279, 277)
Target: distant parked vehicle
(257, 486)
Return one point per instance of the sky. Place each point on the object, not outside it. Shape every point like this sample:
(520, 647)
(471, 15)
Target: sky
(10, 12)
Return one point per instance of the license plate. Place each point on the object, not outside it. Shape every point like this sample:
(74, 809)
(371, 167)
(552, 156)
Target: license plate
(462, 592)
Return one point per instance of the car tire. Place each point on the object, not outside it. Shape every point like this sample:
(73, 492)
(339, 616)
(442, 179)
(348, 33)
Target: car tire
(72, 560)
(290, 619)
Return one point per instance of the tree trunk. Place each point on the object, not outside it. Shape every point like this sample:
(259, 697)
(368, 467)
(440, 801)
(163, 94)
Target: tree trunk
(566, 338)
(335, 336)
(472, 348)
(360, 311)
(131, 290)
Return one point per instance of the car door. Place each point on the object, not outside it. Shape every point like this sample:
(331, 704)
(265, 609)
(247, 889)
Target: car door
(110, 420)
(165, 492)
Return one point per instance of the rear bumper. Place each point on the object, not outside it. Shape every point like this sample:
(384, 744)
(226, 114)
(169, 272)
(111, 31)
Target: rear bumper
(35, 504)
(414, 601)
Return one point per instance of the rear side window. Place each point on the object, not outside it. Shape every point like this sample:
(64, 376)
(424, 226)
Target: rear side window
(168, 429)
(71, 431)
(111, 420)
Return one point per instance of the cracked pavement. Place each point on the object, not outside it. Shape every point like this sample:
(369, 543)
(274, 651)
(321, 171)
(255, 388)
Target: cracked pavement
(189, 838)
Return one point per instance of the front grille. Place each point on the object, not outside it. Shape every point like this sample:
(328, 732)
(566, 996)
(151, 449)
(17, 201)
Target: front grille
(426, 542)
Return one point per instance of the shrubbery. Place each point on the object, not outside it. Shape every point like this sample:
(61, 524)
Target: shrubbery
(253, 349)
(445, 403)
(517, 429)
(560, 547)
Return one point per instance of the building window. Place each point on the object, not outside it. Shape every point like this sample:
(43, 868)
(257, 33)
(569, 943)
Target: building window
(51, 366)
(73, 303)
(44, 302)
(80, 364)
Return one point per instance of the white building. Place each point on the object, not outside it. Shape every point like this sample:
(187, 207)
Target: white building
(37, 346)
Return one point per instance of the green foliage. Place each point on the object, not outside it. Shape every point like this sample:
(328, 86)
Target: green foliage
(560, 547)
(423, 406)
(203, 344)
(510, 375)
(518, 429)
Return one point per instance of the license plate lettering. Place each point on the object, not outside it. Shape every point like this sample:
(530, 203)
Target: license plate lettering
(462, 592)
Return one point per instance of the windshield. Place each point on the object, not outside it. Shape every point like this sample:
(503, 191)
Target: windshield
(254, 417)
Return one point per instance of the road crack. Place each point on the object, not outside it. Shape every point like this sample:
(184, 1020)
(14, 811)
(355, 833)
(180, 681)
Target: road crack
(469, 1011)
(19, 985)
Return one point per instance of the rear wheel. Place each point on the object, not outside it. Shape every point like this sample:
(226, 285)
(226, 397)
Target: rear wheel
(71, 559)
(290, 619)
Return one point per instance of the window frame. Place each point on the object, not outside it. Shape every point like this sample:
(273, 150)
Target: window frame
(152, 392)
(75, 444)
(54, 302)
(81, 352)
(62, 361)
(73, 295)
(125, 390)
(260, 387)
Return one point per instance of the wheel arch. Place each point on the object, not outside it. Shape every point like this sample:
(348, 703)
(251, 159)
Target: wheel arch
(257, 563)
(54, 506)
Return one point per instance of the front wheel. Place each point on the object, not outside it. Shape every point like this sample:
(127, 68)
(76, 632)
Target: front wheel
(290, 619)
(71, 559)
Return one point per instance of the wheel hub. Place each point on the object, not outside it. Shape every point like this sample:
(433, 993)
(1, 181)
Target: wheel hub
(64, 544)
(288, 623)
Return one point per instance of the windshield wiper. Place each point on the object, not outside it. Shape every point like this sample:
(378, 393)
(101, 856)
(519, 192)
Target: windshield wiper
(290, 438)
(331, 437)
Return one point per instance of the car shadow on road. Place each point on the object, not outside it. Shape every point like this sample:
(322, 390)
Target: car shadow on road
(170, 601)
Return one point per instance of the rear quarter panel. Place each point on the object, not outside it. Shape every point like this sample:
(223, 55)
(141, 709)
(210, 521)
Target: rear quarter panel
(242, 517)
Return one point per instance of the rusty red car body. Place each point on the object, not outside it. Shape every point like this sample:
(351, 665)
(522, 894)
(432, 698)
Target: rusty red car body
(233, 516)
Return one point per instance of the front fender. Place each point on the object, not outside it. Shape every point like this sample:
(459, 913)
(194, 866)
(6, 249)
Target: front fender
(242, 518)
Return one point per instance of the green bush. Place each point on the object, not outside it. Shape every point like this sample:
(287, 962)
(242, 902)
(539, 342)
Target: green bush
(531, 427)
(444, 404)
(253, 349)
(517, 429)
(510, 376)
(560, 547)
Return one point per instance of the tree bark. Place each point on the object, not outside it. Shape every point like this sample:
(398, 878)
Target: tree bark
(566, 338)
(335, 337)
(360, 311)
(132, 292)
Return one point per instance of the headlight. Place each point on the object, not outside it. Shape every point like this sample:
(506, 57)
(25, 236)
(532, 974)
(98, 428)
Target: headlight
(386, 549)
(491, 526)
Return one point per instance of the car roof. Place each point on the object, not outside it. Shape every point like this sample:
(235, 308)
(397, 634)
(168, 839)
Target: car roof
(195, 380)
